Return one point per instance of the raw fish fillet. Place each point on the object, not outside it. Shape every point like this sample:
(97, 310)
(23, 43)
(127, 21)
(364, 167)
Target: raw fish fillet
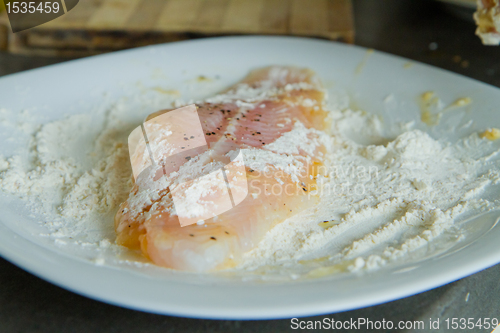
(274, 122)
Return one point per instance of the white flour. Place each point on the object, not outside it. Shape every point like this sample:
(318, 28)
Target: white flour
(66, 192)
(382, 201)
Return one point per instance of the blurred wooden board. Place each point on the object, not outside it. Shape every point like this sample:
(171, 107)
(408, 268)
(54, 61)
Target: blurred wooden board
(96, 26)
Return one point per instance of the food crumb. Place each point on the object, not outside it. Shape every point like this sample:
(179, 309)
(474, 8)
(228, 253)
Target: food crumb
(491, 134)
(461, 102)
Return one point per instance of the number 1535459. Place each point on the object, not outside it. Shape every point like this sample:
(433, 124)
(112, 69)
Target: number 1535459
(25, 7)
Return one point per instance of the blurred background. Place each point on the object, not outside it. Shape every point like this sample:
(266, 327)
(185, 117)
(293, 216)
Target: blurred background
(439, 33)
(436, 32)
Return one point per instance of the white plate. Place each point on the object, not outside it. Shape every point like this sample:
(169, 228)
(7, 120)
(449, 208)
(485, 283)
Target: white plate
(368, 78)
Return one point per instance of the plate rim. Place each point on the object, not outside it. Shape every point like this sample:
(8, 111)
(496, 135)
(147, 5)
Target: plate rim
(11, 241)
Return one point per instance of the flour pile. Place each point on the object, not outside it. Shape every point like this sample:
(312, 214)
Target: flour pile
(381, 201)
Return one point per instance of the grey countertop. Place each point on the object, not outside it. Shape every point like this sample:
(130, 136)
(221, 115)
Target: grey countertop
(424, 31)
